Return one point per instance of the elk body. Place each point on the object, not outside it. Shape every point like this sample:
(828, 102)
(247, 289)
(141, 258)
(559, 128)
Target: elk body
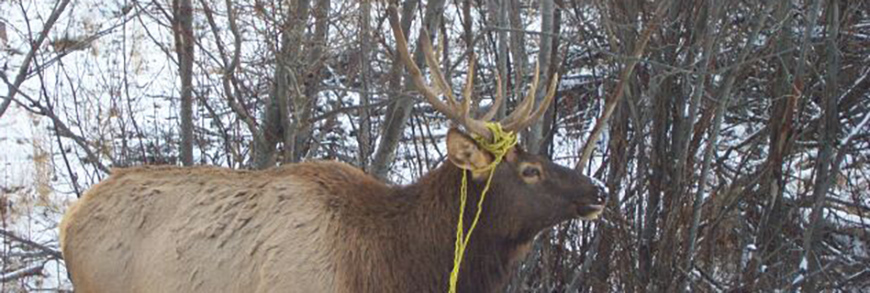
(321, 226)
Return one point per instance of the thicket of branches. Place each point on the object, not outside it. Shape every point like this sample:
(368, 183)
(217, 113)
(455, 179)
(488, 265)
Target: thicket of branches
(733, 135)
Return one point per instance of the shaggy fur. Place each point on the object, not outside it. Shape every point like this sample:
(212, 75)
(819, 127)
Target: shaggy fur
(308, 227)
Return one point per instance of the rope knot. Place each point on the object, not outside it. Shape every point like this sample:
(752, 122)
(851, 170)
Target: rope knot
(502, 141)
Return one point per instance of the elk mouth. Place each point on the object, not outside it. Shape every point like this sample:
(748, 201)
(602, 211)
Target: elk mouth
(590, 212)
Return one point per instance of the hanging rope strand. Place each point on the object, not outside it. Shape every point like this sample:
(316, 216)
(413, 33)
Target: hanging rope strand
(502, 142)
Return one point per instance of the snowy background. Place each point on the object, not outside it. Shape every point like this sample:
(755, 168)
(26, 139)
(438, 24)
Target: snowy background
(102, 90)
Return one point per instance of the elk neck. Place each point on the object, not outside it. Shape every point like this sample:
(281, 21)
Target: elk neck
(432, 222)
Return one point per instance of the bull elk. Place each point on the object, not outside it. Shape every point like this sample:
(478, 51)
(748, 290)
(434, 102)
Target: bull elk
(325, 226)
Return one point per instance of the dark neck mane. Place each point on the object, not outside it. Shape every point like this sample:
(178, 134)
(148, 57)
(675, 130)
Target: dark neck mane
(431, 224)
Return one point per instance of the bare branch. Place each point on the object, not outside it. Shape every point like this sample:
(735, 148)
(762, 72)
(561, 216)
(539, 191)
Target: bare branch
(53, 253)
(613, 100)
(34, 47)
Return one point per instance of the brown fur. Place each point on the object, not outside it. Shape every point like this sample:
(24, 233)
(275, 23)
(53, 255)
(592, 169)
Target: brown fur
(308, 227)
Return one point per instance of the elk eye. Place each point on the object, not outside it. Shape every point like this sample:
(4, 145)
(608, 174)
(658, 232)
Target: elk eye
(531, 172)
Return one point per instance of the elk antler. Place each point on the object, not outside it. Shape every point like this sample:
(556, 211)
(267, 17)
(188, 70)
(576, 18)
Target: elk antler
(522, 116)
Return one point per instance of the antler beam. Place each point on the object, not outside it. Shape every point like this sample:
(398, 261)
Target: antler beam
(522, 116)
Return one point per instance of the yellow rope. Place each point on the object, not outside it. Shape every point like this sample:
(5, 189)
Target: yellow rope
(502, 142)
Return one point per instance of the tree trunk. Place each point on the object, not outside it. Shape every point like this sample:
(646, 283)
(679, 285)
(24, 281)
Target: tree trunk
(725, 96)
(183, 24)
(297, 75)
(618, 145)
(772, 182)
(520, 66)
(401, 106)
(297, 137)
(364, 138)
(828, 136)
(276, 115)
(548, 121)
(535, 132)
(502, 7)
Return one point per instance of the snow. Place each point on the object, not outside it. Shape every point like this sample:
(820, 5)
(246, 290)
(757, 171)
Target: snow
(30, 188)
(125, 74)
(36, 184)
(803, 269)
(26, 271)
(855, 130)
(797, 280)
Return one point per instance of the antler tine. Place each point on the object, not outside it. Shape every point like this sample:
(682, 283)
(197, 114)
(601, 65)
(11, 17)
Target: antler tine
(468, 92)
(496, 103)
(542, 108)
(434, 69)
(431, 95)
(416, 75)
(525, 108)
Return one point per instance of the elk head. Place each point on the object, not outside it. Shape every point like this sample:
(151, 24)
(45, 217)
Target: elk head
(531, 192)
(534, 193)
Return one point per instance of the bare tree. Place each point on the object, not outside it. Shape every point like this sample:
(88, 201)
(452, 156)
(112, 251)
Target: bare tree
(183, 32)
(732, 135)
(401, 105)
(828, 133)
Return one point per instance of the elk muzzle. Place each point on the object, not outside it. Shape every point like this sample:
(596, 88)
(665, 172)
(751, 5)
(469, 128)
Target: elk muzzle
(591, 208)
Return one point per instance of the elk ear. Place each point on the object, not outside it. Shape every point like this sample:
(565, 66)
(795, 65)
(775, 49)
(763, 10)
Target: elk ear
(463, 151)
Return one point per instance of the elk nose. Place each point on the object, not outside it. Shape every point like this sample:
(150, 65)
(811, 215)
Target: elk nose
(603, 193)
